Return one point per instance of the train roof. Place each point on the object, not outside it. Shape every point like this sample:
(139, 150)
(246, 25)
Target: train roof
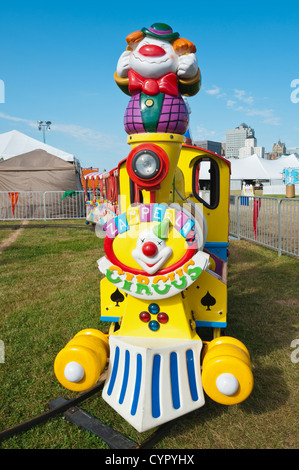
(209, 152)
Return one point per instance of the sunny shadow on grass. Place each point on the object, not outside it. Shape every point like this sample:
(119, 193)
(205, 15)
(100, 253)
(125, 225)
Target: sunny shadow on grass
(49, 290)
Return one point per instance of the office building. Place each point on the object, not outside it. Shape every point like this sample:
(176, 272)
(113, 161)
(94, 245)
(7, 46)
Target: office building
(251, 148)
(209, 145)
(278, 149)
(235, 139)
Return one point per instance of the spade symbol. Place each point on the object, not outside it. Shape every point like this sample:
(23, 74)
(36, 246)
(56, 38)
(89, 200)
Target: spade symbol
(208, 300)
(117, 297)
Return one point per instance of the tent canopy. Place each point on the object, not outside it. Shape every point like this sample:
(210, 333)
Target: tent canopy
(96, 175)
(38, 171)
(257, 168)
(15, 143)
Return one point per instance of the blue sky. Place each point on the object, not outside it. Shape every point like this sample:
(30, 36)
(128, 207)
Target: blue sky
(58, 58)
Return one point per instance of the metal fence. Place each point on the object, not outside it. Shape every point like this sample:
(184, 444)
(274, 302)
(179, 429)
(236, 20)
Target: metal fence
(268, 221)
(271, 222)
(35, 205)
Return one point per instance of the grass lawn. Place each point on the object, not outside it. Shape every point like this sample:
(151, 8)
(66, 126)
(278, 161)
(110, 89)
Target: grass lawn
(49, 290)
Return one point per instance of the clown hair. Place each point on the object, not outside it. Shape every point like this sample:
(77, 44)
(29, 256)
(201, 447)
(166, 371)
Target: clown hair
(183, 46)
(134, 38)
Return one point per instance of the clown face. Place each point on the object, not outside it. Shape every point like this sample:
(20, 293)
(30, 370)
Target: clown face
(151, 252)
(153, 58)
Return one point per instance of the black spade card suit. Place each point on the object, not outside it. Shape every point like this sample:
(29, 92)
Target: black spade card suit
(208, 300)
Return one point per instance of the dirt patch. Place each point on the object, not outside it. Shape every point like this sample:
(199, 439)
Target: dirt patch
(12, 237)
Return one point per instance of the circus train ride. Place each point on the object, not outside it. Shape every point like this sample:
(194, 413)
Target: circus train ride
(164, 211)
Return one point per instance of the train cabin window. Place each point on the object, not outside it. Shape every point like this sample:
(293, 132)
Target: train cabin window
(205, 182)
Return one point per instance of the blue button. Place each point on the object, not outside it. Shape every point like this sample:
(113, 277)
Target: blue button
(153, 325)
(154, 309)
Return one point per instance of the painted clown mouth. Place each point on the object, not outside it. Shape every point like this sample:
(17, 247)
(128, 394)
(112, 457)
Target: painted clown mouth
(160, 260)
(152, 60)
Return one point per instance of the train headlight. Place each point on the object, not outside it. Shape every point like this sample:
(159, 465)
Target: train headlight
(146, 164)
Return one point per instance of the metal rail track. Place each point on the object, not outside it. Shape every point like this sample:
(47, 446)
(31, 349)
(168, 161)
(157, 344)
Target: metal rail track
(74, 414)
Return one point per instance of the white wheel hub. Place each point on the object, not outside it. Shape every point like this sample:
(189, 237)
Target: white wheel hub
(73, 372)
(227, 384)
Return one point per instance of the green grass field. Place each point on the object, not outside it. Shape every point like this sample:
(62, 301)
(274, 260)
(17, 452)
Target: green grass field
(49, 290)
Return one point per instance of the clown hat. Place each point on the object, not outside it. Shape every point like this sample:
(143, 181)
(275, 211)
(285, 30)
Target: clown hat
(161, 31)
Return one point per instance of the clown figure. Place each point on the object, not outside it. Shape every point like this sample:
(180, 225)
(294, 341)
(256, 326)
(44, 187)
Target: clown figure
(157, 68)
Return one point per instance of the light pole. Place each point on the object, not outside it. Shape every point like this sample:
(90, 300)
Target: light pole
(44, 125)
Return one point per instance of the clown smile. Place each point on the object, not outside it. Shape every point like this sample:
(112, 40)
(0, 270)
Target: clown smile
(151, 252)
(153, 58)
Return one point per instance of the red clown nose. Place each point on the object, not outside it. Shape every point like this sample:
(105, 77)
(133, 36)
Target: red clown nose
(149, 249)
(151, 50)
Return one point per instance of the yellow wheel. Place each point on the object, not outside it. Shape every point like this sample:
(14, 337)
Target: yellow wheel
(97, 333)
(226, 340)
(226, 372)
(79, 365)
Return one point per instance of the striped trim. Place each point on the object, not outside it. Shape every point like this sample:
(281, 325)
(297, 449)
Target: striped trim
(174, 380)
(214, 324)
(156, 386)
(191, 374)
(125, 377)
(137, 384)
(114, 371)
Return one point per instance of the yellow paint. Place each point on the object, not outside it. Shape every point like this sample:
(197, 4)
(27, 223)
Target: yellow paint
(208, 282)
(217, 219)
(171, 144)
(108, 307)
(124, 188)
(180, 324)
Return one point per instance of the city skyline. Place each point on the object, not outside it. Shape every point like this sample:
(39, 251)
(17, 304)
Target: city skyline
(58, 61)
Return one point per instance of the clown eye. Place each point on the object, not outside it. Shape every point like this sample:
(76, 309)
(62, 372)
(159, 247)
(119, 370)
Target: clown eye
(142, 240)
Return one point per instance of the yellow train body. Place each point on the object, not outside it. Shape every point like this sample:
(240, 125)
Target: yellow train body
(165, 213)
(205, 312)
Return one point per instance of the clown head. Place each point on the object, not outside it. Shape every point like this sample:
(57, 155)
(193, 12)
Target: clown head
(151, 251)
(156, 51)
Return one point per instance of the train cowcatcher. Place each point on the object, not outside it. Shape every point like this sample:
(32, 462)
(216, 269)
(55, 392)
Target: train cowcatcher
(165, 214)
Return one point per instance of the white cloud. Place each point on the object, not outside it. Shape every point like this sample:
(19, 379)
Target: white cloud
(17, 119)
(201, 133)
(86, 135)
(241, 95)
(213, 91)
(267, 114)
(230, 103)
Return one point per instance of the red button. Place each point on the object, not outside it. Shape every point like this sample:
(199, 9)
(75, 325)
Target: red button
(149, 249)
(151, 50)
(162, 317)
(144, 316)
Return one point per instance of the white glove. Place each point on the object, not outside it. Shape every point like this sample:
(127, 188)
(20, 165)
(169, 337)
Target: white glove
(123, 66)
(188, 66)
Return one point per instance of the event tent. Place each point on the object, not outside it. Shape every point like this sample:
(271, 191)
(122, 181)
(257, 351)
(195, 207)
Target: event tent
(14, 143)
(36, 183)
(259, 169)
(38, 171)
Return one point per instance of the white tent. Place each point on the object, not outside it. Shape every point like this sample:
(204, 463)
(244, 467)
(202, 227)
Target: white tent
(15, 143)
(257, 168)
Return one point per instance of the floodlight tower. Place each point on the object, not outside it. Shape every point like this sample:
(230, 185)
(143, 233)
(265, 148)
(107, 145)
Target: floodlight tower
(44, 126)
